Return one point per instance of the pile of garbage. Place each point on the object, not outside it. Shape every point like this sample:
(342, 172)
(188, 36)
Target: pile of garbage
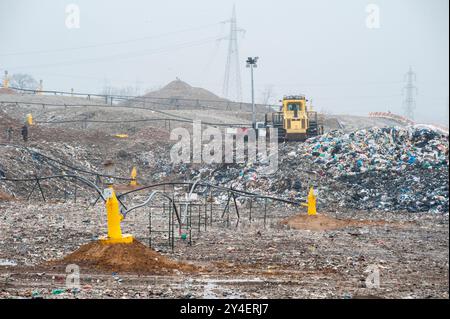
(379, 149)
(385, 169)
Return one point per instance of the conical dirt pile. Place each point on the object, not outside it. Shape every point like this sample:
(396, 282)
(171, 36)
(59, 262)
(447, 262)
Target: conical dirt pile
(134, 257)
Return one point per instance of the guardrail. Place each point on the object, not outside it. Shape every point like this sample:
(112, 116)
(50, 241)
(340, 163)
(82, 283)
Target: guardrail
(170, 117)
(172, 101)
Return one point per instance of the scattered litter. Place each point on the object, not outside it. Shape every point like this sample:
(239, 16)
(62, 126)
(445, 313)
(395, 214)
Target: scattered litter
(385, 169)
(7, 262)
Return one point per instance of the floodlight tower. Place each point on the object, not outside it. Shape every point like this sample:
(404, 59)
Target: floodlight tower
(251, 63)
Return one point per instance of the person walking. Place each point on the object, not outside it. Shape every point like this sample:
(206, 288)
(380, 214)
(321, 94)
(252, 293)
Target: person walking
(9, 132)
(25, 133)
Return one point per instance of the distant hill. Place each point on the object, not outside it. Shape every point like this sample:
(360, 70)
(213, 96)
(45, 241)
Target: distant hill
(181, 90)
(179, 95)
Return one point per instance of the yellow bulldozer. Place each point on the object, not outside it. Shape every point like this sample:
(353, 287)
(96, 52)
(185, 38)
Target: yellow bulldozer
(295, 121)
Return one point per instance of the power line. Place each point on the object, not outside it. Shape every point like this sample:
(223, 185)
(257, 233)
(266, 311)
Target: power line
(107, 43)
(123, 55)
(318, 97)
(344, 84)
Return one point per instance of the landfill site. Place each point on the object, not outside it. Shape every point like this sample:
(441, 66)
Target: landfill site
(93, 204)
(381, 189)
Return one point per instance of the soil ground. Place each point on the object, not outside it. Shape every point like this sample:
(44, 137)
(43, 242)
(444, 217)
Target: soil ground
(291, 256)
(410, 252)
(324, 222)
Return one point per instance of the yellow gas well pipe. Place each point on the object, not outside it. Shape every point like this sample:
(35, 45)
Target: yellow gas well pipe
(114, 217)
(312, 209)
(311, 203)
(133, 177)
(30, 119)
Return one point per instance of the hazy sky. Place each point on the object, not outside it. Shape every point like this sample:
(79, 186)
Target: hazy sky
(322, 48)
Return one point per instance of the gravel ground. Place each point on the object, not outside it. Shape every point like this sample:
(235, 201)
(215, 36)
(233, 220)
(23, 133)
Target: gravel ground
(411, 253)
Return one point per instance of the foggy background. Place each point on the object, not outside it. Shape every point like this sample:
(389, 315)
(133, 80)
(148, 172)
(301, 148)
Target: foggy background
(320, 48)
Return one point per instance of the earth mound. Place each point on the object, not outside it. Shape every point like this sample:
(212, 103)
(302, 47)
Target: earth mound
(181, 90)
(134, 257)
(5, 197)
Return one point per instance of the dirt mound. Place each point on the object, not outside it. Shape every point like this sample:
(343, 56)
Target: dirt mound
(322, 222)
(181, 90)
(179, 95)
(135, 258)
(7, 91)
(5, 197)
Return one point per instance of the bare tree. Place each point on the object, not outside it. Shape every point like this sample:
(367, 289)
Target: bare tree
(152, 89)
(24, 81)
(112, 90)
(268, 95)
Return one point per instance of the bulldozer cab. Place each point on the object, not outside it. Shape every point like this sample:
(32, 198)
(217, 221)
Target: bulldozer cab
(295, 107)
(295, 117)
(295, 121)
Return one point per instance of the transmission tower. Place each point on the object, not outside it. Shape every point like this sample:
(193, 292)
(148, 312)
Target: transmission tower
(232, 87)
(410, 92)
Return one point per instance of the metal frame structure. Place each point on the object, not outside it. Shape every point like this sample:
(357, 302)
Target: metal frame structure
(189, 217)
